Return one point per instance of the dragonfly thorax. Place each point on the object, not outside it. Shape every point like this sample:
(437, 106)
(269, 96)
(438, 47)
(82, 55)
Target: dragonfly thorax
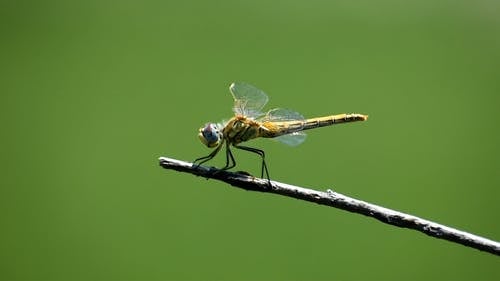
(240, 129)
(210, 135)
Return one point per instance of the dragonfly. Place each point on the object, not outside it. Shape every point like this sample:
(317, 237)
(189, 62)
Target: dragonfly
(249, 122)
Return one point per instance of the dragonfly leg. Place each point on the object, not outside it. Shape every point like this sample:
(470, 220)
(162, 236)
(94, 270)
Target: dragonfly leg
(204, 159)
(230, 163)
(262, 155)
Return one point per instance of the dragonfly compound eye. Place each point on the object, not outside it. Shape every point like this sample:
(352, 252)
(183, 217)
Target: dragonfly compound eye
(209, 135)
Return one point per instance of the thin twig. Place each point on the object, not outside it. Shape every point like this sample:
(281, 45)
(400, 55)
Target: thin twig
(337, 200)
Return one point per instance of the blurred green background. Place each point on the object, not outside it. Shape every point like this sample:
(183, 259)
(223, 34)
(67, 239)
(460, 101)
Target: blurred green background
(93, 92)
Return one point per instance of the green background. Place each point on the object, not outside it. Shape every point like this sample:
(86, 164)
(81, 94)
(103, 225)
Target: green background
(93, 92)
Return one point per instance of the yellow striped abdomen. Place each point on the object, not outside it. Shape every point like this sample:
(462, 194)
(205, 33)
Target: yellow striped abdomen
(275, 129)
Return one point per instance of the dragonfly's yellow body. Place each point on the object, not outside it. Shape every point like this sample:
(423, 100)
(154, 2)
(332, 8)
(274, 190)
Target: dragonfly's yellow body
(240, 128)
(249, 123)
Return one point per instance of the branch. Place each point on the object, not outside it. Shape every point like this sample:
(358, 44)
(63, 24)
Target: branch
(337, 200)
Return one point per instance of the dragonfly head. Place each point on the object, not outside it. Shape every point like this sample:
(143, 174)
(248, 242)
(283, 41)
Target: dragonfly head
(210, 135)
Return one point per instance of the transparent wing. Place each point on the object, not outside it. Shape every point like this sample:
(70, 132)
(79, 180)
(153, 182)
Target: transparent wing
(292, 139)
(248, 100)
(294, 119)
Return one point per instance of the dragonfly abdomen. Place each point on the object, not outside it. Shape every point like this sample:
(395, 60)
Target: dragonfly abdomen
(276, 129)
(333, 120)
